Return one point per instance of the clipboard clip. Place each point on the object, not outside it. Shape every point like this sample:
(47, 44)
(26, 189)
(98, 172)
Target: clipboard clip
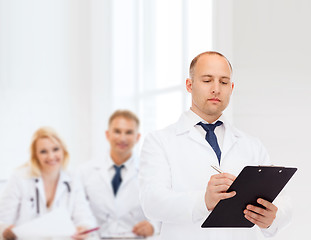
(280, 170)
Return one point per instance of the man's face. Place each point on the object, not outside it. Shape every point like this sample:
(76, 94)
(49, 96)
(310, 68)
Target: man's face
(122, 135)
(211, 86)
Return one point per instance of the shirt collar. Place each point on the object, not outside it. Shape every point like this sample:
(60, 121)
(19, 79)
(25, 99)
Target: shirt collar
(126, 164)
(194, 118)
(63, 176)
(189, 120)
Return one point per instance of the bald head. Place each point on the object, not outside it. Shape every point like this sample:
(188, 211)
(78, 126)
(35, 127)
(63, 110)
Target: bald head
(195, 60)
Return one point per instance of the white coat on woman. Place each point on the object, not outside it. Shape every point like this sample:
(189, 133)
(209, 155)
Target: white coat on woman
(20, 203)
(174, 172)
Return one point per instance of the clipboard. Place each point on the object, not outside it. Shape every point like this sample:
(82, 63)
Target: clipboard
(252, 183)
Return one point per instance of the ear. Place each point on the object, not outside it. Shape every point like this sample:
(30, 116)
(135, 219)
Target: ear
(138, 137)
(107, 134)
(232, 86)
(189, 85)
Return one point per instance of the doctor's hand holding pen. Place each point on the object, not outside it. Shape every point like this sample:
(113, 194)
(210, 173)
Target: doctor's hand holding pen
(217, 188)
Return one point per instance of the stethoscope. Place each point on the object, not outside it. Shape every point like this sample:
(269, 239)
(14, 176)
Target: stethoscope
(37, 194)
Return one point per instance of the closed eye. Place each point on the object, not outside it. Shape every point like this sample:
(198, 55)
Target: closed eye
(207, 78)
(224, 80)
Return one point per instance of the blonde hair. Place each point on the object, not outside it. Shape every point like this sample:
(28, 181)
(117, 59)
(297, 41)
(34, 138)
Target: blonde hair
(50, 133)
(125, 114)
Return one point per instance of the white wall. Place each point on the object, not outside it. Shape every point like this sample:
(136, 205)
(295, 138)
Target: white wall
(271, 59)
(44, 76)
(101, 74)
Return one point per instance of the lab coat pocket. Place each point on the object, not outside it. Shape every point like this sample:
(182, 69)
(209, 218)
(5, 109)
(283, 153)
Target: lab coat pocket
(135, 215)
(28, 209)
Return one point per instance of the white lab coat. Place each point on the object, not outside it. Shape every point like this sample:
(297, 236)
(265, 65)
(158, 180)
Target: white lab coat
(174, 172)
(115, 214)
(19, 202)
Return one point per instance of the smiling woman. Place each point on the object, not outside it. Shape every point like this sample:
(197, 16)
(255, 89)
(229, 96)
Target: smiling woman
(47, 150)
(48, 157)
(31, 190)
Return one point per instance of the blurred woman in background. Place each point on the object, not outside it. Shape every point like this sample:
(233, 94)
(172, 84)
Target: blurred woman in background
(42, 185)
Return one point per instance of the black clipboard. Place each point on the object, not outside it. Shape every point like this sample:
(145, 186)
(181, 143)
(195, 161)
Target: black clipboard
(252, 183)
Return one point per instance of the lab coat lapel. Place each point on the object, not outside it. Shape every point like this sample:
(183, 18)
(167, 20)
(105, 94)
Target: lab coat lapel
(230, 139)
(185, 126)
(196, 136)
(132, 172)
(104, 174)
(61, 186)
(104, 179)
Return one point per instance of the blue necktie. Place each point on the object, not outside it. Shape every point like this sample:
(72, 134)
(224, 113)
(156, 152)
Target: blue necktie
(116, 180)
(211, 138)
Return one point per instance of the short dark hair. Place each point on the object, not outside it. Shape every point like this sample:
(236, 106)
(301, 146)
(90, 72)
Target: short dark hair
(194, 61)
(125, 114)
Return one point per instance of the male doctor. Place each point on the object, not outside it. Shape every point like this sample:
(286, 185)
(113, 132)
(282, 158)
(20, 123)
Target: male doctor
(178, 185)
(111, 184)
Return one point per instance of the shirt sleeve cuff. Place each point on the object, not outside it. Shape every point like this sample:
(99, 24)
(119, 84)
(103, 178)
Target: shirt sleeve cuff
(156, 227)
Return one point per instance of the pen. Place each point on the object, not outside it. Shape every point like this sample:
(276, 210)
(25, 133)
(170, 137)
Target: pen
(217, 169)
(89, 230)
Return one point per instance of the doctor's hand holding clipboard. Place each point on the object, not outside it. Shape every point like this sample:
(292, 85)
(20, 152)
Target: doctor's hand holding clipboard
(217, 190)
